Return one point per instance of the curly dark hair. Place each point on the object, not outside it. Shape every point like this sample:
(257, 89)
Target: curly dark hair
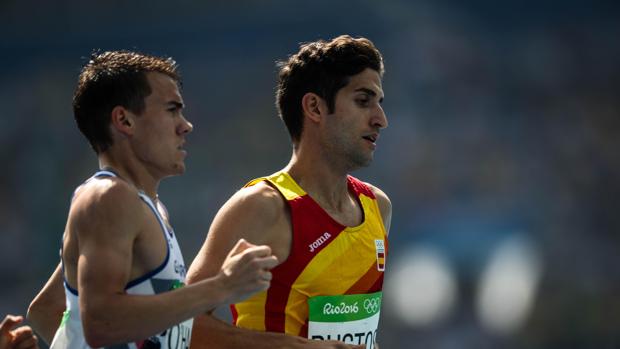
(110, 79)
(323, 68)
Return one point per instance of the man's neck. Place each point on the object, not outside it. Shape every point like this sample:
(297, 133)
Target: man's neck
(132, 173)
(324, 183)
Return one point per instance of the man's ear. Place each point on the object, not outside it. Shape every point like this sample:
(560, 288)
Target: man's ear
(313, 106)
(122, 120)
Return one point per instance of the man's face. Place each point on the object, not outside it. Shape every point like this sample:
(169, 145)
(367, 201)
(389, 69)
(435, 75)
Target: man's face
(161, 128)
(352, 130)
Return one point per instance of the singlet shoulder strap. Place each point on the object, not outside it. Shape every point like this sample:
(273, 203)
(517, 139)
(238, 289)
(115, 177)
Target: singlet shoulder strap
(153, 208)
(110, 173)
(167, 233)
(360, 187)
(283, 182)
(105, 173)
(98, 174)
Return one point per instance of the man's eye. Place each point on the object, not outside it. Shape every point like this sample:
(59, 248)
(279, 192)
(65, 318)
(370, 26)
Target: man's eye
(363, 101)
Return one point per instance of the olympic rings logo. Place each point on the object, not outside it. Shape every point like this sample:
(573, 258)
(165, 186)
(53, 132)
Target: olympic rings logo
(372, 305)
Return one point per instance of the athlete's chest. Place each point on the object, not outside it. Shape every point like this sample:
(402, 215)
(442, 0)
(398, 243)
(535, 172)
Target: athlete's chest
(324, 252)
(151, 246)
(350, 216)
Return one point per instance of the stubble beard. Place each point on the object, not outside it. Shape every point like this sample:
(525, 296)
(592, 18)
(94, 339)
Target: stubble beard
(358, 160)
(349, 156)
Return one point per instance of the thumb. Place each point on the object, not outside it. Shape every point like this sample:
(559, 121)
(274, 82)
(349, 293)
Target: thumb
(9, 322)
(239, 247)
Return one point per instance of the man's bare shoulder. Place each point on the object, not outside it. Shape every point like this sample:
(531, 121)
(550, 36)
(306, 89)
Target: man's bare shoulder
(379, 194)
(385, 205)
(257, 214)
(106, 201)
(261, 201)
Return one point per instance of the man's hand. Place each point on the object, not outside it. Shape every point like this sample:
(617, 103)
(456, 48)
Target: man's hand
(19, 338)
(246, 270)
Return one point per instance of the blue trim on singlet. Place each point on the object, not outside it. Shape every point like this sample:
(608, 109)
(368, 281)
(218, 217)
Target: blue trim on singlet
(164, 229)
(149, 203)
(71, 289)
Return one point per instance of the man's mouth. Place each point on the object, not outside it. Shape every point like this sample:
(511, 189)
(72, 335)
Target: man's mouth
(371, 138)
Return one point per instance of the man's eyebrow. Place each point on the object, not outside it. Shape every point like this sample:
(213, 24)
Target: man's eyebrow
(369, 92)
(175, 104)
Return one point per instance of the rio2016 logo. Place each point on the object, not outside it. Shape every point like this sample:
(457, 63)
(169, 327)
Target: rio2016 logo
(342, 308)
(372, 305)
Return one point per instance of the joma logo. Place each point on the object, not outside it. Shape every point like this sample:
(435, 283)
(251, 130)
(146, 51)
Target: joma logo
(318, 242)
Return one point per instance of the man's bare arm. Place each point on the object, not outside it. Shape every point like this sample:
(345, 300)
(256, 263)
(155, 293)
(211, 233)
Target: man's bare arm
(45, 310)
(106, 239)
(385, 206)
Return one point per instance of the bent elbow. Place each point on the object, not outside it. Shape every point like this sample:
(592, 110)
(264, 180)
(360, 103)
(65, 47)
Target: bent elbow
(37, 310)
(95, 341)
(44, 307)
(100, 332)
(31, 313)
(96, 338)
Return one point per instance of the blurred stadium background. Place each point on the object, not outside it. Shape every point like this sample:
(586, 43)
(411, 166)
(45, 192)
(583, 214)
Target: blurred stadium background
(501, 159)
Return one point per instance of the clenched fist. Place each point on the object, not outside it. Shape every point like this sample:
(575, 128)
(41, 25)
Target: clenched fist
(19, 338)
(246, 270)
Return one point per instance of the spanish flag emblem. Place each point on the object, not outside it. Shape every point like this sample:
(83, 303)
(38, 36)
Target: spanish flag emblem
(380, 248)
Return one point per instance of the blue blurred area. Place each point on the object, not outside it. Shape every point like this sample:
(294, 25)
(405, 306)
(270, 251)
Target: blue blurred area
(504, 119)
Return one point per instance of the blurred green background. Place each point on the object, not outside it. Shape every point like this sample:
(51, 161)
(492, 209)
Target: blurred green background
(501, 159)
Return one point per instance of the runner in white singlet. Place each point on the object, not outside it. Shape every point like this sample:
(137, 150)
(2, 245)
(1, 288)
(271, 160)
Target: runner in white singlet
(121, 264)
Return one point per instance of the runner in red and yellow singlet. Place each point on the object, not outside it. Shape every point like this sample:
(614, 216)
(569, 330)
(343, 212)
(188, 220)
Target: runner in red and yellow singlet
(326, 258)
(327, 229)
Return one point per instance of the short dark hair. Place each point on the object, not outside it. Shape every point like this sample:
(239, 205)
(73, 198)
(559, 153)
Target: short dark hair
(110, 79)
(323, 68)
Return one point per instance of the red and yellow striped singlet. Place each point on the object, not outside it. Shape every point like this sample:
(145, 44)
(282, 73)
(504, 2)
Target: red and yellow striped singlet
(326, 258)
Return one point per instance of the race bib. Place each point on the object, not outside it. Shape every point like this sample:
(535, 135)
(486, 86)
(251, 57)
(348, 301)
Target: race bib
(352, 319)
(176, 337)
